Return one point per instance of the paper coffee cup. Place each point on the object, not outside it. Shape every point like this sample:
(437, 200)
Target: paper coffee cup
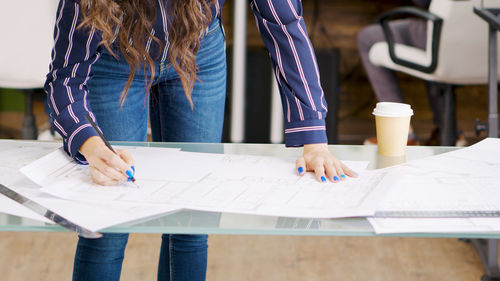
(392, 121)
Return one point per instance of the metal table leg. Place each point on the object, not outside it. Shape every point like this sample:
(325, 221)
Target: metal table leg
(488, 252)
(493, 84)
(29, 130)
(238, 72)
(448, 135)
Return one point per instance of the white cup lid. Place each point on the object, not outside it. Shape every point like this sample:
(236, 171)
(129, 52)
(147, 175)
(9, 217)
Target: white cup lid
(392, 109)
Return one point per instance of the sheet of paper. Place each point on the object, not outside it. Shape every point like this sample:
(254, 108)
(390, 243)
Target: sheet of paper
(216, 182)
(58, 169)
(270, 186)
(465, 181)
(434, 225)
(94, 216)
(11, 207)
(14, 155)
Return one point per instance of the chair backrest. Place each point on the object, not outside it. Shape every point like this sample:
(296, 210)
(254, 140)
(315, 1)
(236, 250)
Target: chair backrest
(27, 28)
(463, 50)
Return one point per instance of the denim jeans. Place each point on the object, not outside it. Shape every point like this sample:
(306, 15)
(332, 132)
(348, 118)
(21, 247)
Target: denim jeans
(182, 257)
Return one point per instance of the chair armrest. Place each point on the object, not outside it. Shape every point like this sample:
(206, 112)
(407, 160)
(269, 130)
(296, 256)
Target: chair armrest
(489, 15)
(436, 35)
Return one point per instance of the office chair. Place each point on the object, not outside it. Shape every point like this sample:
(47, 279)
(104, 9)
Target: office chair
(456, 52)
(25, 53)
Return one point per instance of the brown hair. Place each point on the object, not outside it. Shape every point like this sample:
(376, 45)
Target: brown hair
(134, 20)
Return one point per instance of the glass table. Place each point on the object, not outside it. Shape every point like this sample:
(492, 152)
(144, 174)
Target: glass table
(196, 222)
(223, 223)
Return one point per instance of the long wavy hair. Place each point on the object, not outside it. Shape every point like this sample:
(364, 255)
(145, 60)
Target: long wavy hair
(134, 20)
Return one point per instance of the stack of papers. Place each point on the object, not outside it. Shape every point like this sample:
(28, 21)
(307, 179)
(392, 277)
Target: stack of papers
(435, 225)
(457, 191)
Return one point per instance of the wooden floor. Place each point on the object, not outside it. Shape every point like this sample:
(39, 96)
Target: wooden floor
(49, 256)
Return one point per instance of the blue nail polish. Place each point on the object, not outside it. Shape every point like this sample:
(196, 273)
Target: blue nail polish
(129, 173)
(323, 179)
(129, 179)
(300, 169)
(342, 176)
(335, 178)
(133, 169)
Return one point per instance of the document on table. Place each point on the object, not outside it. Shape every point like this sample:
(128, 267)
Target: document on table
(94, 216)
(11, 207)
(461, 183)
(435, 225)
(215, 182)
(15, 155)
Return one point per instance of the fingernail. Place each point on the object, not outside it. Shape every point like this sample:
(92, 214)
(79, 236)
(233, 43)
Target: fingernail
(335, 178)
(300, 170)
(323, 179)
(133, 169)
(129, 179)
(129, 173)
(342, 176)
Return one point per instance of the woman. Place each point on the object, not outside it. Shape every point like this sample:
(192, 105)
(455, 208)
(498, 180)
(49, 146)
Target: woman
(113, 58)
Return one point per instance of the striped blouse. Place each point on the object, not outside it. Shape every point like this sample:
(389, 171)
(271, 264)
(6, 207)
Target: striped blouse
(283, 30)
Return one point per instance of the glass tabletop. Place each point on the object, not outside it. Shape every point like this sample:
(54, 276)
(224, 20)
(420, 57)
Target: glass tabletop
(191, 222)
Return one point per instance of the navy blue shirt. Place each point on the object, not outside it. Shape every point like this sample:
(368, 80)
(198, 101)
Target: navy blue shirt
(283, 30)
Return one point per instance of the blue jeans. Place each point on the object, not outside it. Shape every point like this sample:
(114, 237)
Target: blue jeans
(182, 257)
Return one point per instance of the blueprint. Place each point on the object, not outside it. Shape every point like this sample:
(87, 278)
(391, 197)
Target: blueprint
(464, 182)
(245, 184)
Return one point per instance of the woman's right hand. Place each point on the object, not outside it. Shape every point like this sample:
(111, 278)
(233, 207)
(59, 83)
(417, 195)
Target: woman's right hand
(106, 167)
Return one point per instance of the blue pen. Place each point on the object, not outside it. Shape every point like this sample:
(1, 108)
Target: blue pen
(129, 173)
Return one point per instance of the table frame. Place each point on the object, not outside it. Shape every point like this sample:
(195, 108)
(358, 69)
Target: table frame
(488, 249)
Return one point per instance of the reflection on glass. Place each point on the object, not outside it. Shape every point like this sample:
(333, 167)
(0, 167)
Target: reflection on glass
(240, 221)
(185, 218)
(298, 223)
(387, 161)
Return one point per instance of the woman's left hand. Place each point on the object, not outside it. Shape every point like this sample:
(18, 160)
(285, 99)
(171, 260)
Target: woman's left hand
(316, 158)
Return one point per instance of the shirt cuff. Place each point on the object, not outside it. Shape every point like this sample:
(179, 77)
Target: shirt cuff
(305, 132)
(81, 133)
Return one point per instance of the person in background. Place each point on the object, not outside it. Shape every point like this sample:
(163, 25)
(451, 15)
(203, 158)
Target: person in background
(120, 61)
(413, 32)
